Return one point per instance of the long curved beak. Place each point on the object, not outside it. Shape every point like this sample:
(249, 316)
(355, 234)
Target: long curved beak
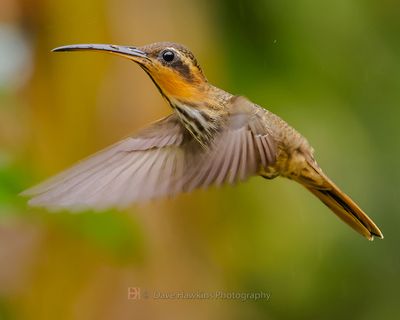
(131, 53)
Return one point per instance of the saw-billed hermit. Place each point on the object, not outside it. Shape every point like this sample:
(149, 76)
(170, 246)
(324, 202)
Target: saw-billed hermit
(211, 138)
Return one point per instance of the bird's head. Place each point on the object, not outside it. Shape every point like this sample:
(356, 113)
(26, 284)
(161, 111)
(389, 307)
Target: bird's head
(171, 66)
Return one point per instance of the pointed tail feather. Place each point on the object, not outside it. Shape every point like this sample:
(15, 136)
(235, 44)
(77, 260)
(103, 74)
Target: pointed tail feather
(345, 208)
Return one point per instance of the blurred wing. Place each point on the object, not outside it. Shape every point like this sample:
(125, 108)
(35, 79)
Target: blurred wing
(160, 161)
(240, 150)
(138, 168)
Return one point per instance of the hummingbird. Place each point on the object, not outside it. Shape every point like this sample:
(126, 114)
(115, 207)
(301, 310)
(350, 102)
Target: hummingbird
(212, 137)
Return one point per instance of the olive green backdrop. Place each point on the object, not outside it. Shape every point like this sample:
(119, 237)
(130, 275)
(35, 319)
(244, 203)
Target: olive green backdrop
(331, 69)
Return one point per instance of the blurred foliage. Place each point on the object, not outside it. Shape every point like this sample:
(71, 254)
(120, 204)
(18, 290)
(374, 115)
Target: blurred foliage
(12, 181)
(331, 69)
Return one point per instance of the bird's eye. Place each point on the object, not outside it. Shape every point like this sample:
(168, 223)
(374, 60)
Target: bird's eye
(168, 55)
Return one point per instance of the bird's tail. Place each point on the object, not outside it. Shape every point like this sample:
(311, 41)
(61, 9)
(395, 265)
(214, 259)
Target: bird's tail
(342, 205)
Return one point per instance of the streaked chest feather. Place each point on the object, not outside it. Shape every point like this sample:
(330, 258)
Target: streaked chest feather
(200, 124)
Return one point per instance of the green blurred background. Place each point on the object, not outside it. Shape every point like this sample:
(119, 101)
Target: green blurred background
(331, 69)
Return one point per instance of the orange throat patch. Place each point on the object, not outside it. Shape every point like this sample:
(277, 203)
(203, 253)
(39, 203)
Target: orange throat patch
(174, 85)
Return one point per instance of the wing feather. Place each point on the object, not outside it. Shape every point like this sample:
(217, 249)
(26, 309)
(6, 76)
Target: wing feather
(162, 160)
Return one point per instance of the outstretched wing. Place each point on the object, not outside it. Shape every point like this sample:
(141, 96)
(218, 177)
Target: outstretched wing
(160, 161)
(135, 169)
(238, 152)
